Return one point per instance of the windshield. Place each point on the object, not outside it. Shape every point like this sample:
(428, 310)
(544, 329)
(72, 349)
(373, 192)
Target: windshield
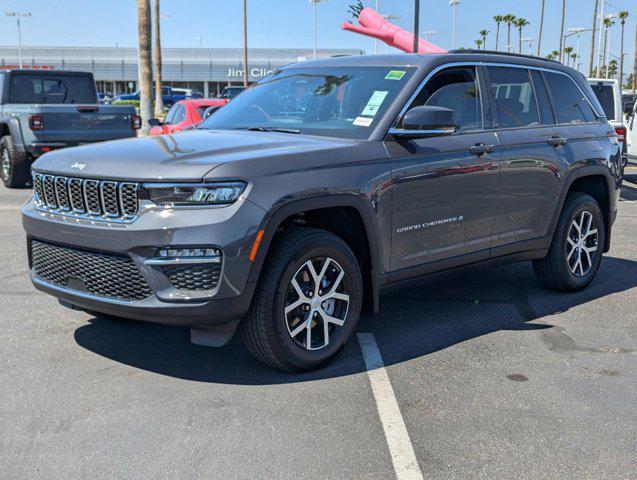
(604, 94)
(338, 102)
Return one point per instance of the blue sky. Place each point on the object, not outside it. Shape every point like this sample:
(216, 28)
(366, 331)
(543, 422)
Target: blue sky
(288, 23)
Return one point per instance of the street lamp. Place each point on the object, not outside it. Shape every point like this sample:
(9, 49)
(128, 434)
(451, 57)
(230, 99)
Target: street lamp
(454, 4)
(18, 16)
(376, 40)
(426, 33)
(577, 31)
(200, 40)
(530, 42)
(314, 2)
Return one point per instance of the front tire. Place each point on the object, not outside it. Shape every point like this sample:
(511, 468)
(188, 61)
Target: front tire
(308, 301)
(576, 250)
(15, 170)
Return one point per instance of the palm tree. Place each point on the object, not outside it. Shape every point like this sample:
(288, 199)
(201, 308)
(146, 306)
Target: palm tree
(592, 59)
(498, 19)
(144, 35)
(509, 19)
(539, 38)
(483, 33)
(479, 43)
(555, 54)
(622, 17)
(159, 98)
(607, 24)
(562, 30)
(568, 51)
(612, 68)
(520, 23)
(575, 57)
(551, 55)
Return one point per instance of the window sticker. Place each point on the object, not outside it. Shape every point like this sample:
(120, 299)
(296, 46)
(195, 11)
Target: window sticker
(363, 122)
(375, 101)
(395, 75)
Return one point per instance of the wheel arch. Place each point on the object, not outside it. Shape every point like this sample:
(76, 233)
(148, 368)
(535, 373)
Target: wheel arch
(596, 181)
(11, 126)
(310, 211)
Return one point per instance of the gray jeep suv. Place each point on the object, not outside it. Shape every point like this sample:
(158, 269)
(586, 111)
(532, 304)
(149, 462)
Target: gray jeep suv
(288, 210)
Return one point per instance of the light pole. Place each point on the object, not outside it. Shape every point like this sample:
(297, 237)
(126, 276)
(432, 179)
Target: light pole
(454, 4)
(245, 43)
(18, 16)
(577, 31)
(376, 40)
(426, 33)
(599, 39)
(314, 2)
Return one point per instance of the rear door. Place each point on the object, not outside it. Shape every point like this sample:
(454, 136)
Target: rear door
(532, 155)
(445, 188)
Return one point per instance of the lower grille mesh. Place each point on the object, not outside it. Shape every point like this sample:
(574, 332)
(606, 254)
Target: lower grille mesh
(193, 277)
(103, 274)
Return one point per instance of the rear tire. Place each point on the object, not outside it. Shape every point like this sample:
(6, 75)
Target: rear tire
(312, 281)
(15, 169)
(576, 250)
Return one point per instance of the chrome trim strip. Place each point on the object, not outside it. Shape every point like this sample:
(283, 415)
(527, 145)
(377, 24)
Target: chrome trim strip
(484, 64)
(183, 261)
(404, 131)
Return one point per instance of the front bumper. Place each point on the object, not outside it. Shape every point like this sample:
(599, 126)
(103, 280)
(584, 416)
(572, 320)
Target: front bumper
(231, 229)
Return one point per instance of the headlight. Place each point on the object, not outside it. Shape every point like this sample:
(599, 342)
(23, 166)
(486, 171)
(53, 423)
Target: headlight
(199, 194)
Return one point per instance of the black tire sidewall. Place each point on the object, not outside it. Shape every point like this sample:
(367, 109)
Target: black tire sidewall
(577, 206)
(283, 345)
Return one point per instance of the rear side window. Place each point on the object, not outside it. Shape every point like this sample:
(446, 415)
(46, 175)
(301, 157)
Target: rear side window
(25, 88)
(606, 97)
(514, 96)
(543, 101)
(457, 89)
(571, 106)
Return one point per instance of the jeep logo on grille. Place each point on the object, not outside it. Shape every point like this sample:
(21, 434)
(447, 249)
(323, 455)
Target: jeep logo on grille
(79, 166)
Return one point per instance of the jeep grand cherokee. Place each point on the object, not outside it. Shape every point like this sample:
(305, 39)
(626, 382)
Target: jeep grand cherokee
(288, 210)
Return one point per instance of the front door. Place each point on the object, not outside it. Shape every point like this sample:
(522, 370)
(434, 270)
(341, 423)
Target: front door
(445, 188)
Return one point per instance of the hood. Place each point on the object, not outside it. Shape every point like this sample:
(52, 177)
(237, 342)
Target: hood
(182, 157)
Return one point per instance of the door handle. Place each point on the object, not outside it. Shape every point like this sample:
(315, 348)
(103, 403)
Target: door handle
(557, 141)
(481, 149)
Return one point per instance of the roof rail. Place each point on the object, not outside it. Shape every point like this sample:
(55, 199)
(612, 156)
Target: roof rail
(506, 54)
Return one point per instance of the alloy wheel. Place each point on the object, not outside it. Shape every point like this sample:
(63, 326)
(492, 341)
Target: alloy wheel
(316, 303)
(582, 244)
(6, 164)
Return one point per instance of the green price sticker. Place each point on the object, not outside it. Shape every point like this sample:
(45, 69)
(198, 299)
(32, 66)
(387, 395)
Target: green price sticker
(395, 75)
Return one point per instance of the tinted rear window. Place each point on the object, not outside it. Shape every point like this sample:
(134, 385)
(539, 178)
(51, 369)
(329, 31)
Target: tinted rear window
(25, 88)
(571, 106)
(604, 94)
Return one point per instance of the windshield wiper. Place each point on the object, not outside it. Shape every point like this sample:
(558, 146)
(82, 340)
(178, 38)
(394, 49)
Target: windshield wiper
(270, 129)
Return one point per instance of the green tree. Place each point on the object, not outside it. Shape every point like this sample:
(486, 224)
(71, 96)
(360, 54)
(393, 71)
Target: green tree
(483, 33)
(567, 54)
(509, 19)
(520, 23)
(478, 43)
(498, 20)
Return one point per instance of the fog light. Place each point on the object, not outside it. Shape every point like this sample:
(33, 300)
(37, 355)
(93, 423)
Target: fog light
(211, 254)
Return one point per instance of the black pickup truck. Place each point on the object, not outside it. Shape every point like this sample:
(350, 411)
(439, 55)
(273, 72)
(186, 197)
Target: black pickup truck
(45, 110)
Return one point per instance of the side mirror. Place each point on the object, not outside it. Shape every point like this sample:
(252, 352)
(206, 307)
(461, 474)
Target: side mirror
(426, 120)
(155, 122)
(210, 110)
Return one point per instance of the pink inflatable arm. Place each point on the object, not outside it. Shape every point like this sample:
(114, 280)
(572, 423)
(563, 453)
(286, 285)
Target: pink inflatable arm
(375, 26)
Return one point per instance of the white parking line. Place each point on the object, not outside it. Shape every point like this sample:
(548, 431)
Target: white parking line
(400, 447)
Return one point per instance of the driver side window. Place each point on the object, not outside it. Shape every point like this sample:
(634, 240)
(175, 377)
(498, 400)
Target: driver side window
(457, 89)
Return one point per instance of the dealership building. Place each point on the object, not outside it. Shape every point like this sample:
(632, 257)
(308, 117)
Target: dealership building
(208, 70)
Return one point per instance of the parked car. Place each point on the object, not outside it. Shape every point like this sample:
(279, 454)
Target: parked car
(287, 222)
(609, 95)
(42, 111)
(184, 115)
(231, 92)
(631, 136)
(170, 95)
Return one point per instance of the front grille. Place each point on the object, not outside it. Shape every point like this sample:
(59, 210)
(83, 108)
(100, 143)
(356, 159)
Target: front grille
(193, 277)
(103, 274)
(100, 199)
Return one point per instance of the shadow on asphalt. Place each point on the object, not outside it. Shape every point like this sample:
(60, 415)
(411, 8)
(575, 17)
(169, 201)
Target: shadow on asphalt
(629, 187)
(416, 319)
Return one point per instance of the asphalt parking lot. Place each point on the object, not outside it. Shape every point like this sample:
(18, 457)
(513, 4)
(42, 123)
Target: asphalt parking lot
(493, 376)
